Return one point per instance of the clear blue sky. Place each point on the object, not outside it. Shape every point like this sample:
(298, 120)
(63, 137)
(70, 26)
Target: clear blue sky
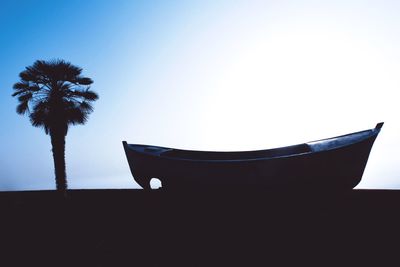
(206, 75)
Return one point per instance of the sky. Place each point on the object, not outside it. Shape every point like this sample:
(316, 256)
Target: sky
(203, 75)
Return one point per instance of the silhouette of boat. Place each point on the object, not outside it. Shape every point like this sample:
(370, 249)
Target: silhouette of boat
(335, 163)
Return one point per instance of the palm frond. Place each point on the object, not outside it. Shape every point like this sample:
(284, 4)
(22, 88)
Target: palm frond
(21, 86)
(76, 116)
(40, 115)
(21, 89)
(86, 107)
(25, 97)
(37, 120)
(87, 95)
(83, 80)
(27, 75)
(61, 70)
(18, 92)
(22, 108)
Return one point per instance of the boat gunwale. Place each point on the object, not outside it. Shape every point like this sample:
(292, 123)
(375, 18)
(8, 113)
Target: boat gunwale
(373, 132)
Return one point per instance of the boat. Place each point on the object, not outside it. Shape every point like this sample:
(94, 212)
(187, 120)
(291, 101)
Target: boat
(335, 163)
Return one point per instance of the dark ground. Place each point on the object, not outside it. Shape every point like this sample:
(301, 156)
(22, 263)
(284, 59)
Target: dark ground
(158, 228)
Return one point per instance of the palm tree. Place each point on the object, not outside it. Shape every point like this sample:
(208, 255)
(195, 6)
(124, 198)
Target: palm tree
(54, 95)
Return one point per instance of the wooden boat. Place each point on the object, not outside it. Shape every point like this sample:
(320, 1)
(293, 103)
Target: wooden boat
(335, 163)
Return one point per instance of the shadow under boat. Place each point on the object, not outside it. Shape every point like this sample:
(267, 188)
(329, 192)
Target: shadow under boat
(330, 164)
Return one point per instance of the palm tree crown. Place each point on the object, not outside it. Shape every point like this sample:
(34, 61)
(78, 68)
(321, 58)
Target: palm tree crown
(55, 95)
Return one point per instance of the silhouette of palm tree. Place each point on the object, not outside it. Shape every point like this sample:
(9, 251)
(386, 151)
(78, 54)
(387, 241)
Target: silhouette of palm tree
(55, 95)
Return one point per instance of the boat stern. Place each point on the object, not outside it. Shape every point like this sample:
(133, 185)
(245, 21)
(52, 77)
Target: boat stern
(135, 163)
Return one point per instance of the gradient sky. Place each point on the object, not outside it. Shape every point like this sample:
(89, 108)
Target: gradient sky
(204, 75)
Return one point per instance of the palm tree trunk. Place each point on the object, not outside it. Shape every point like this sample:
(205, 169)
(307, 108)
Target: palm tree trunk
(58, 144)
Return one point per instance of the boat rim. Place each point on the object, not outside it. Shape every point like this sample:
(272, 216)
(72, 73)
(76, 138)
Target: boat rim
(372, 132)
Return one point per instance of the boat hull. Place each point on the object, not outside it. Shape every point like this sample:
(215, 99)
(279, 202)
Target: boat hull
(340, 168)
